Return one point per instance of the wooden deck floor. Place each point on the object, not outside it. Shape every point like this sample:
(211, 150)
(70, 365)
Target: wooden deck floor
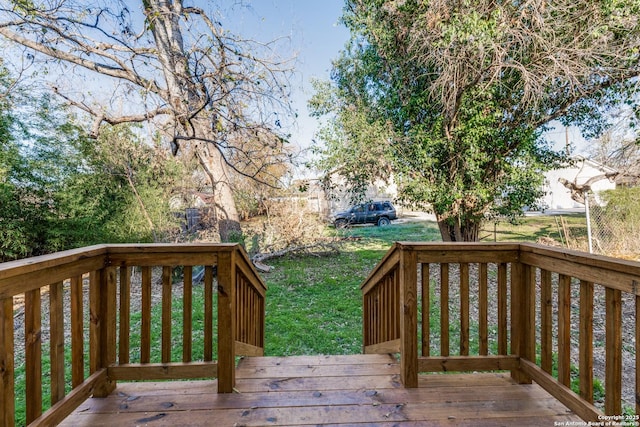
(356, 390)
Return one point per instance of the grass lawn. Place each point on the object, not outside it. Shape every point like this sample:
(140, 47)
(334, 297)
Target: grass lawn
(542, 227)
(314, 304)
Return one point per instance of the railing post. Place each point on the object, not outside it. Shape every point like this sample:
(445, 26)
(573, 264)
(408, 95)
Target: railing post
(226, 321)
(106, 328)
(7, 391)
(522, 317)
(408, 318)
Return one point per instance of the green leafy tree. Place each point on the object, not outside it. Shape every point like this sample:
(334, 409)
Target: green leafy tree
(61, 189)
(22, 217)
(450, 98)
(119, 191)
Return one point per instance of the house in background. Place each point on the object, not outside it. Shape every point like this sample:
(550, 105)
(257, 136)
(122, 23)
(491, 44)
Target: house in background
(338, 198)
(581, 170)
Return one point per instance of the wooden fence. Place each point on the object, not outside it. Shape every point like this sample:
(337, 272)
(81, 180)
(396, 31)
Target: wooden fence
(101, 326)
(534, 312)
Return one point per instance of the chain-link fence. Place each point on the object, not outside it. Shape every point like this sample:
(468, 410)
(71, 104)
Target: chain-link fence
(615, 228)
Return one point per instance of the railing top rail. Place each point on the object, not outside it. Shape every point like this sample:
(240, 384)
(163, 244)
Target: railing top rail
(579, 257)
(250, 270)
(463, 252)
(391, 257)
(21, 266)
(172, 247)
(19, 276)
(606, 271)
(24, 275)
(471, 246)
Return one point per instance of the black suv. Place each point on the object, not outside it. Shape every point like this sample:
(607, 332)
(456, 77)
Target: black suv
(379, 213)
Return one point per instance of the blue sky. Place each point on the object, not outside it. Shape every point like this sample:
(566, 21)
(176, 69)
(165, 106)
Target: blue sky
(314, 36)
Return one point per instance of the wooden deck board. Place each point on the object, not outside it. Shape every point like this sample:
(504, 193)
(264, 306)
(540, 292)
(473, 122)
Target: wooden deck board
(354, 390)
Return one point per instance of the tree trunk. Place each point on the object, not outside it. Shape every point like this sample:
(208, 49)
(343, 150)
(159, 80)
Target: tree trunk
(226, 213)
(460, 231)
(186, 99)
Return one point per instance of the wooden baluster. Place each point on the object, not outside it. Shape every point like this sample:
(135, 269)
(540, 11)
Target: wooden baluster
(94, 322)
(77, 331)
(208, 312)
(246, 324)
(483, 310)
(261, 317)
(366, 321)
(546, 321)
(426, 310)
(529, 310)
(374, 315)
(377, 313)
(516, 314)
(502, 309)
(397, 304)
(125, 315)
(613, 352)
(166, 314)
(586, 341)
(33, 354)
(385, 308)
(522, 316)
(237, 310)
(145, 333)
(464, 309)
(7, 391)
(564, 329)
(187, 314)
(253, 319)
(247, 310)
(56, 315)
(391, 310)
(393, 304)
(444, 309)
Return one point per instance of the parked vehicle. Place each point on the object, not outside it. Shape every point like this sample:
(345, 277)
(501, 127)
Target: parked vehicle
(379, 213)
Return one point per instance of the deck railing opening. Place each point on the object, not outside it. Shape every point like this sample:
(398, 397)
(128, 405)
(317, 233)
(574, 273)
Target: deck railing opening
(547, 315)
(73, 324)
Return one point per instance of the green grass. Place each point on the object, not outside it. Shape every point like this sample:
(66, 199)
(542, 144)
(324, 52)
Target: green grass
(314, 304)
(534, 228)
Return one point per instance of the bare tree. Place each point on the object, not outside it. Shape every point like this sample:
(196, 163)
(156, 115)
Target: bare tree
(619, 146)
(176, 67)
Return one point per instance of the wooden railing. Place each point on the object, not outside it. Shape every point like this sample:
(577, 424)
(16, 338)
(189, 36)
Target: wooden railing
(97, 315)
(536, 311)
